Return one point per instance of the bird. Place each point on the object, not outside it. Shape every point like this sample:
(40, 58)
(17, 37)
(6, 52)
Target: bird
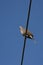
(28, 34)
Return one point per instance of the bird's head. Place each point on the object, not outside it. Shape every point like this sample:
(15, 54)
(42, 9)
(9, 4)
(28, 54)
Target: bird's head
(21, 29)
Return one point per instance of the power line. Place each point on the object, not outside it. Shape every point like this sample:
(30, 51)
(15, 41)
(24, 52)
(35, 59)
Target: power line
(26, 32)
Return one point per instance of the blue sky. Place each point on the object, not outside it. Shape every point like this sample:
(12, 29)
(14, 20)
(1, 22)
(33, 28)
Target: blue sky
(13, 13)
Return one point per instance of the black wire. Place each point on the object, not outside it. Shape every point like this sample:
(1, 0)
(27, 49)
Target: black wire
(26, 32)
(28, 14)
(23, 50)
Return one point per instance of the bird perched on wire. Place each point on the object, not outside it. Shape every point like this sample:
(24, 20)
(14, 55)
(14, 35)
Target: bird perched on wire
(28, 34)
